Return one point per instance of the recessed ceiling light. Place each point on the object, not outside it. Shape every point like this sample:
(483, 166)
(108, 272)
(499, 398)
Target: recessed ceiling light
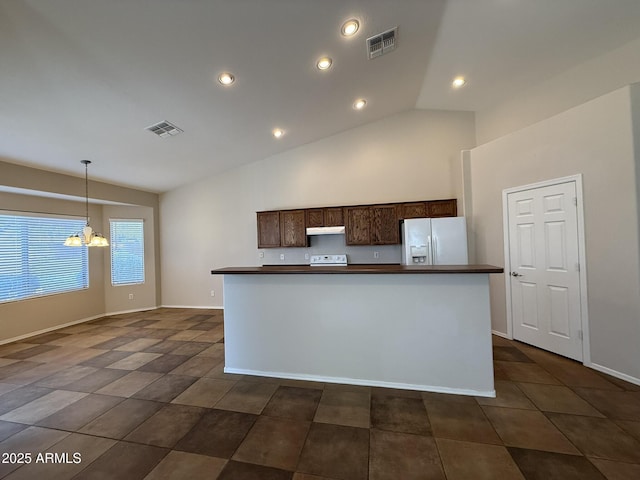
(359, 104)
(350, 27)
(458, 82)
(278, 132)
(226, 78)
(324, 63)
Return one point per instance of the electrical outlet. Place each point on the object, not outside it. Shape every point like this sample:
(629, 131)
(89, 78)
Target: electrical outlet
(282, 256)
(261, 254)
(306, 256)
(131, 296)
(213, 293)
(376, 254)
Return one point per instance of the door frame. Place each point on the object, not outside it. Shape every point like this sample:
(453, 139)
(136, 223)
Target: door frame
(582, 259)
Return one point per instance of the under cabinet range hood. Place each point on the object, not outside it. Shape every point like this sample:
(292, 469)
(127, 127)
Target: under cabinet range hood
(325, 230)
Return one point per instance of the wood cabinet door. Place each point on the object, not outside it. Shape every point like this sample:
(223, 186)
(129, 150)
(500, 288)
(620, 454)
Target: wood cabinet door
(385, 227)
(333, 217)
(413, 210)
(443, 208)
(315, 217)
(358, 225)
(292, 228)
(268, 229)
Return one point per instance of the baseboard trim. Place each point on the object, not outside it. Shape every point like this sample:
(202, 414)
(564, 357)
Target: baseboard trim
(88, 319)
(134, 310)
(595, 366)
(50, 329)
(206, 307)
(366, 383)
(614, 373)
(501, 334)
(70, 324)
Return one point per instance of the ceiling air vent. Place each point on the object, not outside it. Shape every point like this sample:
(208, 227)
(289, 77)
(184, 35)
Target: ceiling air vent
(382, 43)
(164, 129)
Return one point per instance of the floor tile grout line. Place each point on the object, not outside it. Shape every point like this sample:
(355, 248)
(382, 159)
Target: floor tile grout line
(492, 425)
(475, 402)
(602, 375)
(297, 469)
(583, 416)
(567, 413)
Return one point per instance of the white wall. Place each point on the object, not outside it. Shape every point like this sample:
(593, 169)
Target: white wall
(568, 89)
(595, 139)
(212, 223)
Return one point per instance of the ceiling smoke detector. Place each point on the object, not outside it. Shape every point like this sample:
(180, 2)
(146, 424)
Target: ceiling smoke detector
(382, 43)
(164, 129)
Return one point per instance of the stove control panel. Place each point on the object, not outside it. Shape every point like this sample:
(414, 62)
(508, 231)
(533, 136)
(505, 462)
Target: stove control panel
(328, 260)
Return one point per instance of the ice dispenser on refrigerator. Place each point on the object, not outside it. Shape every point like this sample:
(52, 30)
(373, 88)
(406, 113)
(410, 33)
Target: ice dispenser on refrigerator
(434, 241)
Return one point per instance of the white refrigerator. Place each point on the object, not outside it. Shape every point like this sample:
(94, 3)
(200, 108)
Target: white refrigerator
(434, 241)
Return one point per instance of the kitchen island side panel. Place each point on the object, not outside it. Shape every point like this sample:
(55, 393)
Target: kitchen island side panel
(423, 332)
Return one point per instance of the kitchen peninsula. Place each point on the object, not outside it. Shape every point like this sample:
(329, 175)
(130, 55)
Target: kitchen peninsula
(411, 327)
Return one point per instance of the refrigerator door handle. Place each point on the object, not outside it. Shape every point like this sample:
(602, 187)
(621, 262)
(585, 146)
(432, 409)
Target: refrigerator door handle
(435, 250)
(430, 256)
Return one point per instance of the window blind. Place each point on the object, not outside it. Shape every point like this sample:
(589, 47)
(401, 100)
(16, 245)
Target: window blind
(33, 259)
(127, 252)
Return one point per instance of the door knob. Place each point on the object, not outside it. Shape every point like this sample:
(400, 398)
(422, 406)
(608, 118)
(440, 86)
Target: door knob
(516, 274)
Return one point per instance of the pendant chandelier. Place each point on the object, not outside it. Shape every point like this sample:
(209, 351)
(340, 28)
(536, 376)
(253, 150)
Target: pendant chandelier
(88, 237)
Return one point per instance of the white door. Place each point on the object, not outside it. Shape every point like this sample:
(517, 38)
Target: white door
(544, 268)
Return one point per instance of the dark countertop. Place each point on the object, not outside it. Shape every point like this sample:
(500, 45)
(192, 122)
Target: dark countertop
(350, 269)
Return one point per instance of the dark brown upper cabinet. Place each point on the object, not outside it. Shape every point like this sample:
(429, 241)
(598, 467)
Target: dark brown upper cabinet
(413, 210)
(315, 217)
(333, 217)
(324, 217)
(443, 208)
(385, 226)
(268, 229)
(358, 225)
(365, 224)
(293, 231)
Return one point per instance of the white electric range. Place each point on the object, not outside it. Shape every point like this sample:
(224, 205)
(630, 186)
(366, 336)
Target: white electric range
(339, 260)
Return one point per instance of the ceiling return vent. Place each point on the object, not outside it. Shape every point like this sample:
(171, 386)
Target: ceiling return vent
(164, 129)
(382, 43)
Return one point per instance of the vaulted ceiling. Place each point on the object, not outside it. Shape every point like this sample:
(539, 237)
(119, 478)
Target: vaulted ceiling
(84, 78)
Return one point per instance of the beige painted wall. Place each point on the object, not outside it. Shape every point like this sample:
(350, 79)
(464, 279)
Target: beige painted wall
(43, 313)
(19, 176)
(22, 317)
(212, 223)
(635, 115)
(568, 89)
(595, 139)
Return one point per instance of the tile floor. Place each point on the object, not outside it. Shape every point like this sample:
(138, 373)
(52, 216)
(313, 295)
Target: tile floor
(144, 396)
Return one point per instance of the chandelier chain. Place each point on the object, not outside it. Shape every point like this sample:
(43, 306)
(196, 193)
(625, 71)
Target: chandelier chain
(86, 187)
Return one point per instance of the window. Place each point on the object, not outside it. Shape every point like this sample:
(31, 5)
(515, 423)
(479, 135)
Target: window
(127, 252)
(33, 259)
